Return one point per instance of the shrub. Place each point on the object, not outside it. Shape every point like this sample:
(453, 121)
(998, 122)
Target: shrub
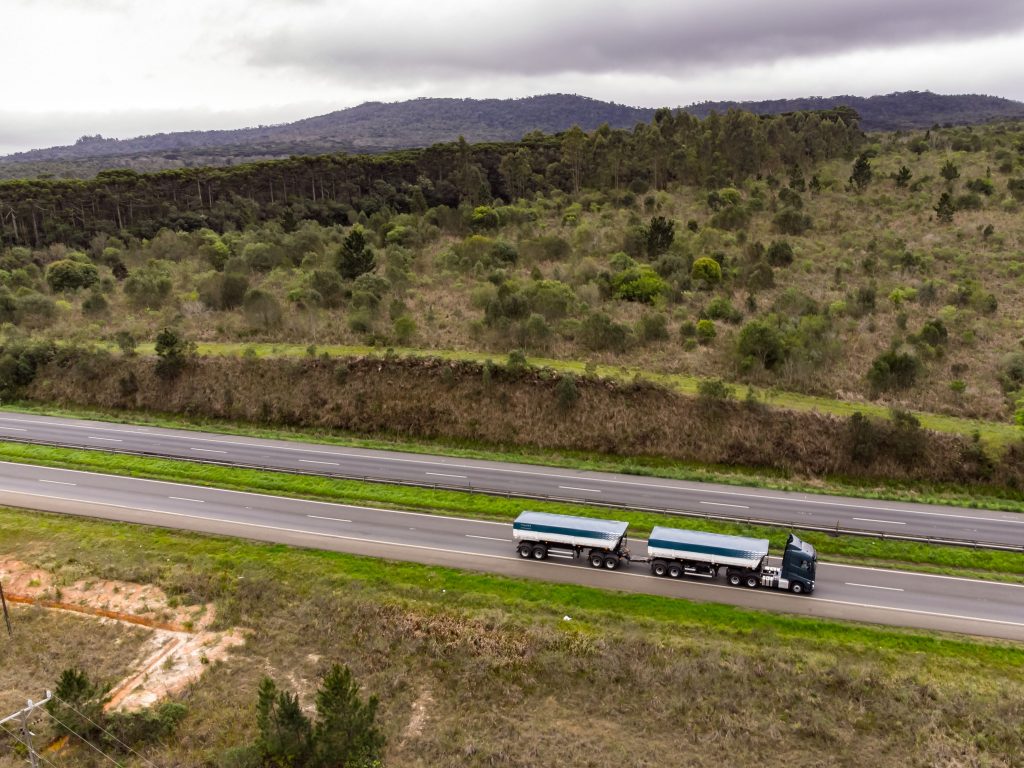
(566, 392)
(707, 270)
(551, 298)
(639, 283)
(791, 222)
(95, 303)
(223, 290)
(721, 308)
(262, 310)
(404, 329)
(328, 286)
(780, 253)
(761, 276)
(173, 353)
(761, 341)
(934, 333)
(70, 275)
(600, 332)
(893, 370)
(149, 286)
(705, 331)
(652, 327)
(714, 391)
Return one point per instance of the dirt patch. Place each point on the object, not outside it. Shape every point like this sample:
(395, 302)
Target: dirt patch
(418, 719)
(180, 647)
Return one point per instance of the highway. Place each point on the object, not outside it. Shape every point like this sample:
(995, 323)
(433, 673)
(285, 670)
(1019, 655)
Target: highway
(843, 592)
(806, 511)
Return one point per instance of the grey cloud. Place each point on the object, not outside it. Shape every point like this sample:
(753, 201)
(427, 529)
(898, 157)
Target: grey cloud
(536, 38)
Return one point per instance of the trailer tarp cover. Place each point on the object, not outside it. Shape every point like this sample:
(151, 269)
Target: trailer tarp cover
(570, 525)
(707, 547)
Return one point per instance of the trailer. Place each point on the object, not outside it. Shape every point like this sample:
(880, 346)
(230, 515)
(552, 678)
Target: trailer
(674, 552)
(602, 541)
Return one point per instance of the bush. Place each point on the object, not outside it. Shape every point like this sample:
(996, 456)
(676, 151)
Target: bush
(714, 391)
(722, 309)
(600, 332)
(893, 370)
(95, 304)
(780, 253)
(223, 290)
(70, 275)
(404, 329)
(791, 222)
(173, 353)
(328, 286)
(639, 283)
(707, 270)
(653, 327)
(761, 341)
(566, 392)
(705, 331)
(933, 333)
(262, 310)
(149, 286)
(551, 298)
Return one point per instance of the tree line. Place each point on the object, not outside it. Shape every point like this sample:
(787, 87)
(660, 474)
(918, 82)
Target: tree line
(675, 148)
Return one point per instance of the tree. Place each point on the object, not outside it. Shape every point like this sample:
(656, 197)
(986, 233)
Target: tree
(945, 209)
(862, 173)
(286, 735)
(707, 270)
(262, 309)
(149, 286)
(761, 341)
(173, 353)
(70, 275)
(355, 256)
(77, 704)
(949, 172)
(345, 734)
(658, 236)
(902, 177)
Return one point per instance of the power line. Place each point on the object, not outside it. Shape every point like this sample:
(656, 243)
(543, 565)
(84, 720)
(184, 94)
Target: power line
(26, 735)
(97, 725)
(21, 741)
(69, 729)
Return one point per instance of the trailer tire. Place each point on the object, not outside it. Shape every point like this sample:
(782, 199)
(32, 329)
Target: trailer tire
(734, 579)
(659, 567)
(796, 589)
(675, 571)
(525, 551)
(611, 562)
(596, 559)
(752, 581)
(540, 552)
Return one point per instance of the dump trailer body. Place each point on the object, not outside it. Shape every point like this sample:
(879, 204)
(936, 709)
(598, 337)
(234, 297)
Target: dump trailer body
(713, 549)
(569, 531)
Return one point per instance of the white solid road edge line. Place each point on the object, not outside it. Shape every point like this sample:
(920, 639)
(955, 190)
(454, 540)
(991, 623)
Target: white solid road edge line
(874, 586)
(495, 557)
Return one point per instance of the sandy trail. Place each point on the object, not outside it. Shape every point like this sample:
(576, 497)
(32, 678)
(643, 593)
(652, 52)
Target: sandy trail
(181, 645)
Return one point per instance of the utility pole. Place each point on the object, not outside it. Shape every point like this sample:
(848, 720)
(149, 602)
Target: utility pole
(23, 715)
(7, 616)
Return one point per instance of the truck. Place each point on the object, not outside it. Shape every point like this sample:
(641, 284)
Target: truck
(675, 552)
(671, 552)
(602, 541)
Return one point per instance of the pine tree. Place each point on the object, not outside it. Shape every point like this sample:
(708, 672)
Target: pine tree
(862, 173)
(355, 256)
(945, 209)
(902, 176)
(345, 734)
(286, 735)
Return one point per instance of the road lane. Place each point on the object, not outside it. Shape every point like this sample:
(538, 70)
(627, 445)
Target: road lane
(864, 594)
(791, 509)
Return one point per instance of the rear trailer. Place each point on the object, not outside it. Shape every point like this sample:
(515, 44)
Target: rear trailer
(602, 542)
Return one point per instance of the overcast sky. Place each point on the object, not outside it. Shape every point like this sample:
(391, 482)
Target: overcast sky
(128, 67)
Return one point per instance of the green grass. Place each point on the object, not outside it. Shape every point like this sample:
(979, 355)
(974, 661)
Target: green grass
(990, 564)
(974, 496)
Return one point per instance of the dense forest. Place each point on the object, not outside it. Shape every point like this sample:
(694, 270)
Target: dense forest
(791, 252)
(376, 127)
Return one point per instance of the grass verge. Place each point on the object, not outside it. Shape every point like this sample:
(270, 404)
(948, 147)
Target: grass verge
(503, 678)
(1006, 566)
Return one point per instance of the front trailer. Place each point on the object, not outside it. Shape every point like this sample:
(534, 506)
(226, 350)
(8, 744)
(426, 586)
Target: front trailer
(602, 542)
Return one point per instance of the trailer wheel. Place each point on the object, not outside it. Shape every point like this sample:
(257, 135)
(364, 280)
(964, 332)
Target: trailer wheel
(752, 581)
(540, 552)
(796, 588)
(611, 562)
(658, 568)
(525, 551)
(596, 559)
(675, 571)
(734, 579)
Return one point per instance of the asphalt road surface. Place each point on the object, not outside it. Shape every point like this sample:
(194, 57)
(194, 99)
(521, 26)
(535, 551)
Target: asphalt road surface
(842, 592)
(807, 511)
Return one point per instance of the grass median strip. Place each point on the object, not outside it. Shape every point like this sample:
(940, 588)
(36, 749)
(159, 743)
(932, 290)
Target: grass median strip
(1005, 566)
(969, 497)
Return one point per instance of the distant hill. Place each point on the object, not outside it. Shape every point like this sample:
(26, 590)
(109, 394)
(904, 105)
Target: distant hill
(893, 111)
(379, 127)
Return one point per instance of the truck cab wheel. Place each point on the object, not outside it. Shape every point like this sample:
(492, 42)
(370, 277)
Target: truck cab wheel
(796, 588)
(540, 552)
(596, 559)
(525, 551)
(752, 581)
(734, 579)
